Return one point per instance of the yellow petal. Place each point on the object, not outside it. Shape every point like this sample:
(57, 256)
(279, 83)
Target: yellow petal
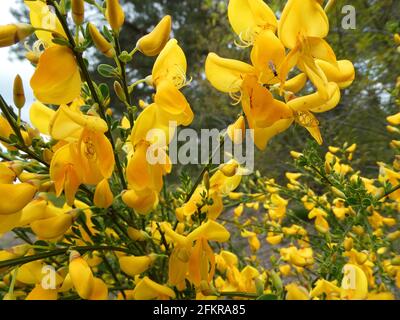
(115, 14)
(42, 17)
(315, 102)
(267, 56)
(40, 116)
(296, 83)
(99, 290)
(210, 230)
(39, 293)
(152, 43)
(248, 17)
(57, 78)
(9, 222)
(302, 17)
(343, 74)
(226, 75)
(13, 197)
(143, 202)
(170, 64)
(133, 266)
(263, 135)
(147, 289)
(354, 283)
(103, 196)
(81, 275)
(259, 102)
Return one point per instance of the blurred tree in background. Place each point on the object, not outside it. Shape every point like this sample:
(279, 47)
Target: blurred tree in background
(360, 117)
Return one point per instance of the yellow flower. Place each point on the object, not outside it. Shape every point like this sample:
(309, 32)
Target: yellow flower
(320, 222)
(249, 17)
(170, 64)
(133, 266)
(103, 196)
(354, 283)
(296, 292)
(147, 289)
(14, 197)
(143, 201)
(57, 77)
(330, 289)
(81, 275)
(152, 43)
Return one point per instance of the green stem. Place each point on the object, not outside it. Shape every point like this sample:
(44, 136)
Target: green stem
(124, 79)
(86, 75)
(238, 294)
(394, 189)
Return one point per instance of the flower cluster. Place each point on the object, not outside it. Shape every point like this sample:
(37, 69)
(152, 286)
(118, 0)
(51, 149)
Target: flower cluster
(93, 214)
(293, 46)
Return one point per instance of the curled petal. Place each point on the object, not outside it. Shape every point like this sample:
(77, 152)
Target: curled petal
(226, 75)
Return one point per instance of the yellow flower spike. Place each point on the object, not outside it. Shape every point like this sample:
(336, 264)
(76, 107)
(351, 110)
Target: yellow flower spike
(147, 289)
(18, 92)
(53, 227)
(78, 11)
(133, 266)
(103, 196)
(226, 75)
(296, 83)
(81, 275)
(57, 78)
(143, 202)
(237, 130)
(14, 33)
(152, 43)
(343, 74)
(211, 230)
(302, 17)
(170, 64)
(100, 42)
(40, 16)
(354, 284)
(39, 293)
(249, 17)
(296, 292)
(315, 103)
(115, 14)
(14, 197)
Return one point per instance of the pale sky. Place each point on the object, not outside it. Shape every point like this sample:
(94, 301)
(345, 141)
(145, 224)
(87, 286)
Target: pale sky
(9, 69)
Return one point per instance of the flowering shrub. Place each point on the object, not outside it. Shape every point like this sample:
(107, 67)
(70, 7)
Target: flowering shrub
(94, 215)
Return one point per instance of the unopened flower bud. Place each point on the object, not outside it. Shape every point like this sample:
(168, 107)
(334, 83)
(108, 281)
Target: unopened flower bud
(236, 131)
(100, 42)
(18, 92)
(115, 14)
(348, 244)
(206, 180)
(14, 33)
(152, 43)
(78, 11)
(119, 91)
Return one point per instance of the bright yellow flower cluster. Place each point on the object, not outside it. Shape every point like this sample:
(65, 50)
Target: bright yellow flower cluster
(293, 46)
(96, 217)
